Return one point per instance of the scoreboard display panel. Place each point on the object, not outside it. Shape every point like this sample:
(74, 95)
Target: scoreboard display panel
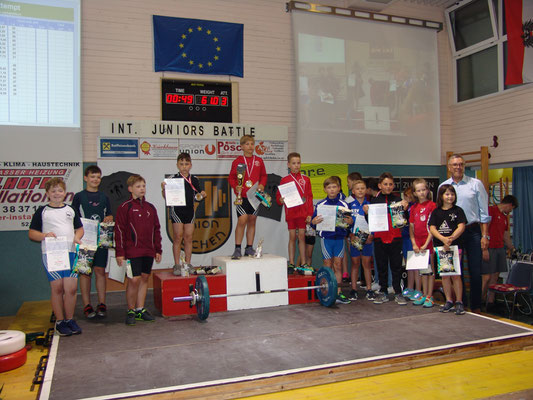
(196, 101)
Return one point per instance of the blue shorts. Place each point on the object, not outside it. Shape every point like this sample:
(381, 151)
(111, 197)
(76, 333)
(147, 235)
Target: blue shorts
(100, 257)
(368, 249)
(332, 248)
(66, 273)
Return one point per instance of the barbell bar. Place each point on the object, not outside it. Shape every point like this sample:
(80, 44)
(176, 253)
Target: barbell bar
(325, 286)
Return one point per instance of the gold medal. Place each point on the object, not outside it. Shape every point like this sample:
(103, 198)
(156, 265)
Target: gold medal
(249, 183)
(240, 176)
(199, 197)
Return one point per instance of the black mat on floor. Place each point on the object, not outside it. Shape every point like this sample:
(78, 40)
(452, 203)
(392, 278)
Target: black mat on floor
(111, 358)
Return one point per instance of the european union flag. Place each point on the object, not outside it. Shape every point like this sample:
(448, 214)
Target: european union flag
(198, 46)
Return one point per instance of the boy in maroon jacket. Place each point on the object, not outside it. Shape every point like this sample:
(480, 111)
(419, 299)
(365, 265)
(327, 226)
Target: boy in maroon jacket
(138, 239)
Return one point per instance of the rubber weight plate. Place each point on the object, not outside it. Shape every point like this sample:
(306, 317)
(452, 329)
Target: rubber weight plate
(328, 293)
(202, 306)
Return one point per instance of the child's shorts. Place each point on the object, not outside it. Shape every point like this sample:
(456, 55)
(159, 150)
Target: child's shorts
(367, 251)
(141, 265)
(100, 257)
(245, 208)
(332, 248)
(182, 215)
(296, 223)
(56, 275)
(310, 240)
(497, 262)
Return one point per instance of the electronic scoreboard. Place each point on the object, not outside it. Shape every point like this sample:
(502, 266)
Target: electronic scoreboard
(196, 101)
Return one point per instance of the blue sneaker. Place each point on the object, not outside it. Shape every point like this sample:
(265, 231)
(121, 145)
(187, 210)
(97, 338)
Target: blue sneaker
(74, 327)
(62, 328)
(407, 292)
(420, 301)
(415, 295)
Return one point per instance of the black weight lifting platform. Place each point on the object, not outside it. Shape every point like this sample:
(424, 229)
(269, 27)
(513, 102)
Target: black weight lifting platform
(239, 353)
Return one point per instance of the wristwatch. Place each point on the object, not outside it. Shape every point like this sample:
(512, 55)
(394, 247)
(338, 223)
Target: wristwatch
(486, 237)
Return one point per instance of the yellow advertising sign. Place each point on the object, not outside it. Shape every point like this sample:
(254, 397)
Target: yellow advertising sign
(317, 173)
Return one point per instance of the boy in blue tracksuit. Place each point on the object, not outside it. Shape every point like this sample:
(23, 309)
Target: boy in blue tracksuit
(332, 242)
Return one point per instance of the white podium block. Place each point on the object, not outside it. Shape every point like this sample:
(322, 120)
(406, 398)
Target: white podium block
(254, 274)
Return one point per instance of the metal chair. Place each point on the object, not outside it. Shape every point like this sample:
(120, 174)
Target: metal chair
(518, 284)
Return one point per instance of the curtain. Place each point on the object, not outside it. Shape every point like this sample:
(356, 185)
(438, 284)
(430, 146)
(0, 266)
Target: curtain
(523, 215)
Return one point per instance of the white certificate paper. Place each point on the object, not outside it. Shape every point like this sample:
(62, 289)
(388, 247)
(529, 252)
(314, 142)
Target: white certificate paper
(175, 191)
(57, 258)
(290, 194)
(116, 272)
(448, 262)
(329, 215)
(378, 217)
(250, 195)
(417, 261)
(91, 231)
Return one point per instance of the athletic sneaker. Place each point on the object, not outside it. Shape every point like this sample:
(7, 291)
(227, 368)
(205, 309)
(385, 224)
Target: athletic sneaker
(176, 269)
(304, 270)
(130, 317)
(345, 277)
(144, 315)
(370, 295)
(415, 295)
(429, 302)
(63, 329)
(249, 251)
(290, 269)
(447, 307)
(459, 308)
(236, 254)
(407, 292)
(381, 298)
(353, 295)
(400, 300)
(342, 299)
(74, 327)
(420, 301)
(101, 310)
(89, 312)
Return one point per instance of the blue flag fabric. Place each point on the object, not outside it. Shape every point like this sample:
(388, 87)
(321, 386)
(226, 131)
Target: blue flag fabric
(198, 46)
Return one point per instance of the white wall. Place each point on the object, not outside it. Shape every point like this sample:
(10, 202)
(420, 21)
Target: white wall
(118, 79)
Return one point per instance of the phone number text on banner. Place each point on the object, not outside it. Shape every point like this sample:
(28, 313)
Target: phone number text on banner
(22, 188)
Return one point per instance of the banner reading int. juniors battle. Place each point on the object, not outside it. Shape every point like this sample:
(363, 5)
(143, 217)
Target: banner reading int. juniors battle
(22, 188)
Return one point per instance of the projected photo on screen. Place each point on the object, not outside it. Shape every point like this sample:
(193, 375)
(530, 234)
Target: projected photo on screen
(366, 90)
(40, 63)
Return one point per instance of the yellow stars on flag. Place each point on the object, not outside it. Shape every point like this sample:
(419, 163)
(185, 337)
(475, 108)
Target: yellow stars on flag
(189, 40)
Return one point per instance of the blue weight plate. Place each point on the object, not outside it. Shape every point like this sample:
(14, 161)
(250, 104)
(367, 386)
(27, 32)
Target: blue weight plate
(328, 294)
(202, 305)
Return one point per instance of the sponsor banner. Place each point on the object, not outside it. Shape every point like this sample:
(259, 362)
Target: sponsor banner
(22, 188)
(158, 149)
(198, 149)
(118, 148)
(317, 173)
(198, 130)
(268, 150)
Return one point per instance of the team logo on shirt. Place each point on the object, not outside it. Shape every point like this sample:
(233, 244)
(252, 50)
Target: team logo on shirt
(444, 228)
(212, 222)
(453, 217)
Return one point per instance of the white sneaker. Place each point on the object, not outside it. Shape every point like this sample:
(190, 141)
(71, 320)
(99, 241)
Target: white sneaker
(176, 269)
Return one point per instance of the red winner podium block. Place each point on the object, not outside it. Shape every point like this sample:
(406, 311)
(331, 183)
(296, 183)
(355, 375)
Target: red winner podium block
(167, 286)
(302, 296)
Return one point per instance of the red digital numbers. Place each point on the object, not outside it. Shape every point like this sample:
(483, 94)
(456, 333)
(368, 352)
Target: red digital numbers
(209, 100)
(174, 98)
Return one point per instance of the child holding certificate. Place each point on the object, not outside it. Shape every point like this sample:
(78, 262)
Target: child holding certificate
(295, 192)
(447, 224)
(332, 230)
(421, 238)
(59, 220)
(183, 216)
(246, 171)
(388, 240)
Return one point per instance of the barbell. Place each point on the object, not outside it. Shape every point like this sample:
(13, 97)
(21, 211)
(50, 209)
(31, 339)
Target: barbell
(325, 286)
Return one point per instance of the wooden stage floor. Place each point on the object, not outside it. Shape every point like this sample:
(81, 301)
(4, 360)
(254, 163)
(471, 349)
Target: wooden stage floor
(266, 350)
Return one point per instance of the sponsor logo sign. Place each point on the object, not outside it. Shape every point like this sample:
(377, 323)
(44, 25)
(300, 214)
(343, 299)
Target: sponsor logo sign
(118, 148)
(151, 149)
